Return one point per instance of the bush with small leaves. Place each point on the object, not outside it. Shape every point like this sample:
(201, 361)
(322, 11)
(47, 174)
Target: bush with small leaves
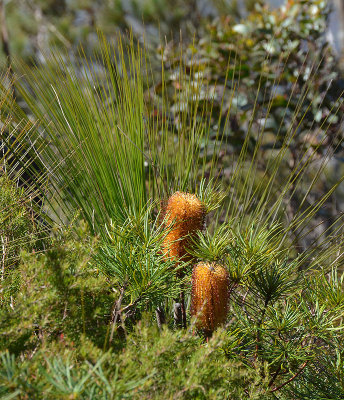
(159, 365)
(18, 232)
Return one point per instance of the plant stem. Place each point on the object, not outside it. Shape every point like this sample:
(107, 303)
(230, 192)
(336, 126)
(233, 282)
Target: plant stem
(160, 317)
(179, 311)
(177, 314)
(182, 301)
(258, 327)
(117, 311)
(278, 370)
(303, 366)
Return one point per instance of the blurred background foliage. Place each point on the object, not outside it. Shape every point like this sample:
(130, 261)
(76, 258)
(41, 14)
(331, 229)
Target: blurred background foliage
(266, 57)
(36, 25)
(271, 53)
(279, 77)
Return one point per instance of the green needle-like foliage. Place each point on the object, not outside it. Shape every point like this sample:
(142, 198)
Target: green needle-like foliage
(65, 379)
(99, 128)
(133, 261)
(96, 130)
(106, 144)
(281, 315)
(211, 246)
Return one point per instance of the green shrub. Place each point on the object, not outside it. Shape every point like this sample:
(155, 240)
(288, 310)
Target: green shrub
(57, 295)
(18, 232)
(266, 57)
(166, 365)
(55, 334)
(284, 325)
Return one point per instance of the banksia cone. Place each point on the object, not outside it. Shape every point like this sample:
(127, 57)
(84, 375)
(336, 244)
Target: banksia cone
(210, 295)
(185, 213)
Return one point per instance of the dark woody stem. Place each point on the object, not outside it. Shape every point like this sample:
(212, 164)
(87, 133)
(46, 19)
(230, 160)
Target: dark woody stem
(182, 302)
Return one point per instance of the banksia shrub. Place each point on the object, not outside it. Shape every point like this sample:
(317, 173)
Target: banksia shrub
(210, 295)
(185, 215)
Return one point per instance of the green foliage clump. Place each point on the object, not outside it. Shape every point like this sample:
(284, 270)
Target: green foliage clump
(253, 66)
(285, 318)
(132, 259)
(165, 365)
(57, 376)
(284, 323)
(57, 295)
(54, 339)
(17, 231)
(184, 367)
(16, 225)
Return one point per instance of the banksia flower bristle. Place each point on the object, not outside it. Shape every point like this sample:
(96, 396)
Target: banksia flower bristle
(210, 295)
(185, 213)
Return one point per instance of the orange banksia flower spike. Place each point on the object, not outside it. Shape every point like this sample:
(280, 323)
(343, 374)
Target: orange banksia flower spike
(185, 215)
(210, 296)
